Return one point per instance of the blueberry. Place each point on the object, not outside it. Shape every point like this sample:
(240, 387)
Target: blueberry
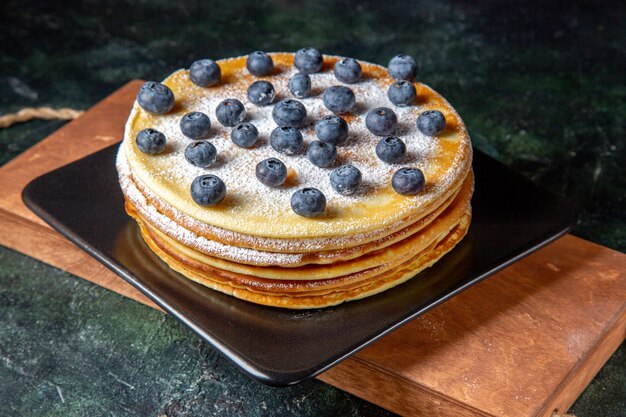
(431, 122)
(381, 121)
(289, 113)
(271, 172)
(205, 73)
(339, 99)
(348, 70)
(332, 129)
(321, 154)
(287, 140)
(259, 63)
(230, 112)
(261, 93)
(402, 67)
(155, 97)
(195, 125)
(345, 179)
(150, 141)
(208, 190)
(201, 153)
(402, 93)
(244, 134)
(390, 149)
(308, 202)
(408, 181)
(300, 85)
(308, 60)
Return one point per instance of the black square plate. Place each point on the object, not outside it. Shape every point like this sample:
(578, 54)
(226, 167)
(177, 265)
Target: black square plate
(511, 219)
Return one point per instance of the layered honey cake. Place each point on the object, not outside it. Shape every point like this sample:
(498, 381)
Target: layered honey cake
(296, 180)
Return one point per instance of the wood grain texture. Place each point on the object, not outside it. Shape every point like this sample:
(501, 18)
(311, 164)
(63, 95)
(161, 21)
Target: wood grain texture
(522, 343)
(525, 342)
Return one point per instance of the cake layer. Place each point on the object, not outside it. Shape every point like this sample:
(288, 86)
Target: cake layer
(372, 256)
(267, 251)
(252, 210)
(308, 294)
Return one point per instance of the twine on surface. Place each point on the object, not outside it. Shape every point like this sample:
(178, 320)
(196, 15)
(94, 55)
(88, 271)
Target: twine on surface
(30, 113)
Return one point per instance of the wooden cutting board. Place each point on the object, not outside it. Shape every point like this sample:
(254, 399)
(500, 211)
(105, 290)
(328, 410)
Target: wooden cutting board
(524, 342)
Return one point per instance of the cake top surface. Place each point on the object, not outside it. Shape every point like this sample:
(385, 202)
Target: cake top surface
(252, 208)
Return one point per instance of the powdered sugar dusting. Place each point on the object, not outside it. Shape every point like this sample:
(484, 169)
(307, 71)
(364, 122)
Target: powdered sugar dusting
(236, 165)
(252, 210)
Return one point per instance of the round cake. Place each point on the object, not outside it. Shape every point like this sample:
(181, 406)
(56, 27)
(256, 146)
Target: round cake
(193, 170)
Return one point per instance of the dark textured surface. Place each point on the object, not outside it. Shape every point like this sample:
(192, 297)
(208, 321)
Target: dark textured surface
(540, 87)
(68, 347)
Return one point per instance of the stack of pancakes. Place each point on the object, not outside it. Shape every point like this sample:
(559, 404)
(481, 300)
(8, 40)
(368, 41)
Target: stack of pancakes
(252, 245)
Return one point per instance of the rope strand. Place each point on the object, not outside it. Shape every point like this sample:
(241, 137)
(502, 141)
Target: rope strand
(30, 113)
